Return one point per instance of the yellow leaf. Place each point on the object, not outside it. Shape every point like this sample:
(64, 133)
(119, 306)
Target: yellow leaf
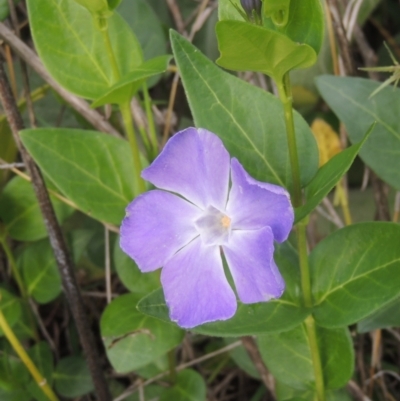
(327, 140)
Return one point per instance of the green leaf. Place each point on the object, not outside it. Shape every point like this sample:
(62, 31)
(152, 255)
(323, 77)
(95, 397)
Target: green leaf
(244, 46)
(14, 377)
(189, 386)
(286, 393)
(354, 272)
(42, 357)
(130, 275)
(129, 84)
(273, 316)
(133, 340)
(93, 169)
(20, 212)
(305, 23)
(147, 26)
(348, 98)
(73, 49)
(227, 10)
(385, 317)
(40, 272)
(288, 357)
(328, 176)
(249, 120)
(10, 306)
(242, 359)
(72, 377)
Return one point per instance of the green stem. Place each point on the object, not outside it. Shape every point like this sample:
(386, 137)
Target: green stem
(285, 95)
(128, 123)
(172, 366)
(27, 361)
(110, 53)
(21, 286)
(15, 272)
(150, 121)
(316, 358)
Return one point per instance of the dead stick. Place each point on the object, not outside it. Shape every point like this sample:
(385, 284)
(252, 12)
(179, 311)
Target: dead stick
(81, 106)
(251, 347)
(61, 254)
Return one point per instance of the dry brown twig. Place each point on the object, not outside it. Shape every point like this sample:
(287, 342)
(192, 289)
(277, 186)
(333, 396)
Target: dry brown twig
(57, 242)
(80, 105)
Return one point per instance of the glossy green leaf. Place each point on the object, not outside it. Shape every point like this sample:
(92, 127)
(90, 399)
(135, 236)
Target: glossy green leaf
(42, 357)
(73, 49)
(273, 316)
(147, 26)
(286, 393)
(93, 169)
(288, 357)
(10, 306)
(130, 275)
(348, 98)
(305, 23)
(20, 212)
(385, 317)
(328, 176)
(242, 359)
(133, 340)
(189, 386)
(244, 46)
(14, 378)
(40, 272)
(354, 272)
(72, 377)
(129, 84)
(249, 120)
(227, 10)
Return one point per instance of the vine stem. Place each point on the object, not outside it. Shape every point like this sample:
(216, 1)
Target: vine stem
(285, 95)
(125, 111)
(110, 52)
(27, 361)
(130, 132)
(21, 285)
(14, 268)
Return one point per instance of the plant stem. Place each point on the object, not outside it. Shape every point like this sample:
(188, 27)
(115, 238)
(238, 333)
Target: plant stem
(150, 121)
(125, 111)
(14, 268)
(316, 358)
(285, 95)
(27, 361)
(110, 53)
(130, 132)
(172, 366)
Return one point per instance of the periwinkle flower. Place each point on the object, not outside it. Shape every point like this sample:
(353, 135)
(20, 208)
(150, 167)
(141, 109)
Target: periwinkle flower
(207, 202)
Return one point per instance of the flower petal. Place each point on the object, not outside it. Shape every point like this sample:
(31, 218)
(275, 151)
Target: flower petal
(156, 226)
(250, 259)
(194, 164)
(253, 204)
(195, 287)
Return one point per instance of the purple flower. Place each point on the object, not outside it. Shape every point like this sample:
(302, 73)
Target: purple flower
(207, 202)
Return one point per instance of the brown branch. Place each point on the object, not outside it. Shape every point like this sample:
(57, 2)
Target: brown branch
(341, 37)
(252, 349)
(80, 105)
(61, 254)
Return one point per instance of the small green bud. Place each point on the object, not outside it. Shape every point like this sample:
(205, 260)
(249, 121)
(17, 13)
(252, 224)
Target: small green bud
(278, 11)
(95, 7)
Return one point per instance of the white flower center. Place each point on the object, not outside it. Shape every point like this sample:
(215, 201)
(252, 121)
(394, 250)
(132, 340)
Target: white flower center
(214, 226)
